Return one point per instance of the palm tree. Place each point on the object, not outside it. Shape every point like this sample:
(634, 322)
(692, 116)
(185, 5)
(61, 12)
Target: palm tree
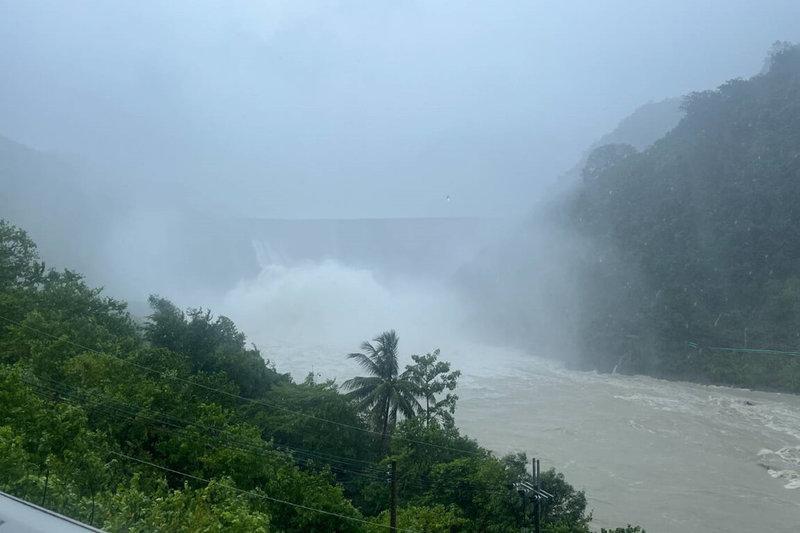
(385, 391)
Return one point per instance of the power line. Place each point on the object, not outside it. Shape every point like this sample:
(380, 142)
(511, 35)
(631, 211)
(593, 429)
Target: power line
(247, 447)
(258, 495)
(266, 404)
(319, 455)
(375, 474)
(750, 350)
(349, 468)
(300, 462)
(198, 478)
(236, 396)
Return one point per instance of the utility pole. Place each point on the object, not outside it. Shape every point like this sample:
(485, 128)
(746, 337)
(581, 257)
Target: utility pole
(521, 492)
(533, 491)
(393, 508)
(538, 502)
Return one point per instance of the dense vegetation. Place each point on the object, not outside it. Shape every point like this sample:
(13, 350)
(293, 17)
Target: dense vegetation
(696, 240)
(178, 425)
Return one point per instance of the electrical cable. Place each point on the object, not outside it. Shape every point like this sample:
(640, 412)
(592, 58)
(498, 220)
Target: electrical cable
(239, 445)
(258, 495)
(232, 444)
(239, 397)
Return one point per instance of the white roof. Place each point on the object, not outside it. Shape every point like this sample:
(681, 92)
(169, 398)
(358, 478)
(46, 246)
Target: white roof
(19, 516)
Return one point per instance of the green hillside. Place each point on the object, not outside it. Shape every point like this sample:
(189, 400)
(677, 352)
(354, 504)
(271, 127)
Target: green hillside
(178, 425)
(695, 241)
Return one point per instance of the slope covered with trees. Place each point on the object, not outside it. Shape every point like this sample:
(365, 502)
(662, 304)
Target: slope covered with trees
(178, 425)
(694, 263)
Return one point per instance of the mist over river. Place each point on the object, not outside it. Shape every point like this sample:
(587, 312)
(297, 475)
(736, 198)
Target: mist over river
(669, 456)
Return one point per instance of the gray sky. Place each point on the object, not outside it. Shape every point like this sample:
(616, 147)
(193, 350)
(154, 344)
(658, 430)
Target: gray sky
(362, 108)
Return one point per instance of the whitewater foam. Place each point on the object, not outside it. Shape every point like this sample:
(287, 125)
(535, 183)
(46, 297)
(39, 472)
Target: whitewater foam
(642, 447)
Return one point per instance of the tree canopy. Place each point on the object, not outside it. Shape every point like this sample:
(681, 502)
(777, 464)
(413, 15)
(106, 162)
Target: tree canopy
(178, 425)
(385, 391)
(695, 244)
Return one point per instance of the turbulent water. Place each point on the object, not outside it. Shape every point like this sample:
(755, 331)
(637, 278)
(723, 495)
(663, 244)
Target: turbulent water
(668, 456)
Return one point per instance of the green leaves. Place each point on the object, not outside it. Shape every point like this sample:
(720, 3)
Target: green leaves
(213, 508)
(696, 238)
(384, 393)
(211, 345)
(20, 266)
(432, 377)
(431, 519)
(147, 431)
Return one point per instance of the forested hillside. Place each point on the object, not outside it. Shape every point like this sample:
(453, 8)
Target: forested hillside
(177, 425)
(694, 263)
(523, 287)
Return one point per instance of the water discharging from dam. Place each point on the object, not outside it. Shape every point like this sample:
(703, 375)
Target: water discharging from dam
(669, 456)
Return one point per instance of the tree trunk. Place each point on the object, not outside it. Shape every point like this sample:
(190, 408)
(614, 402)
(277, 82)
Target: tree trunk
(385, 424)
(427, 410)
(46, 481)
(393, 506)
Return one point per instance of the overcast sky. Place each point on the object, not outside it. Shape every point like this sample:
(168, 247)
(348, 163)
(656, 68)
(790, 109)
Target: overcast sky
(359, 108)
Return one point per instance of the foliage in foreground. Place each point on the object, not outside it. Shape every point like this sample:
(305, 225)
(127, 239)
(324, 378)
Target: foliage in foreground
(180, 426)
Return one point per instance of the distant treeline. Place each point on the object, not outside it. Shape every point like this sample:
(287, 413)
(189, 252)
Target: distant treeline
(696, 240)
